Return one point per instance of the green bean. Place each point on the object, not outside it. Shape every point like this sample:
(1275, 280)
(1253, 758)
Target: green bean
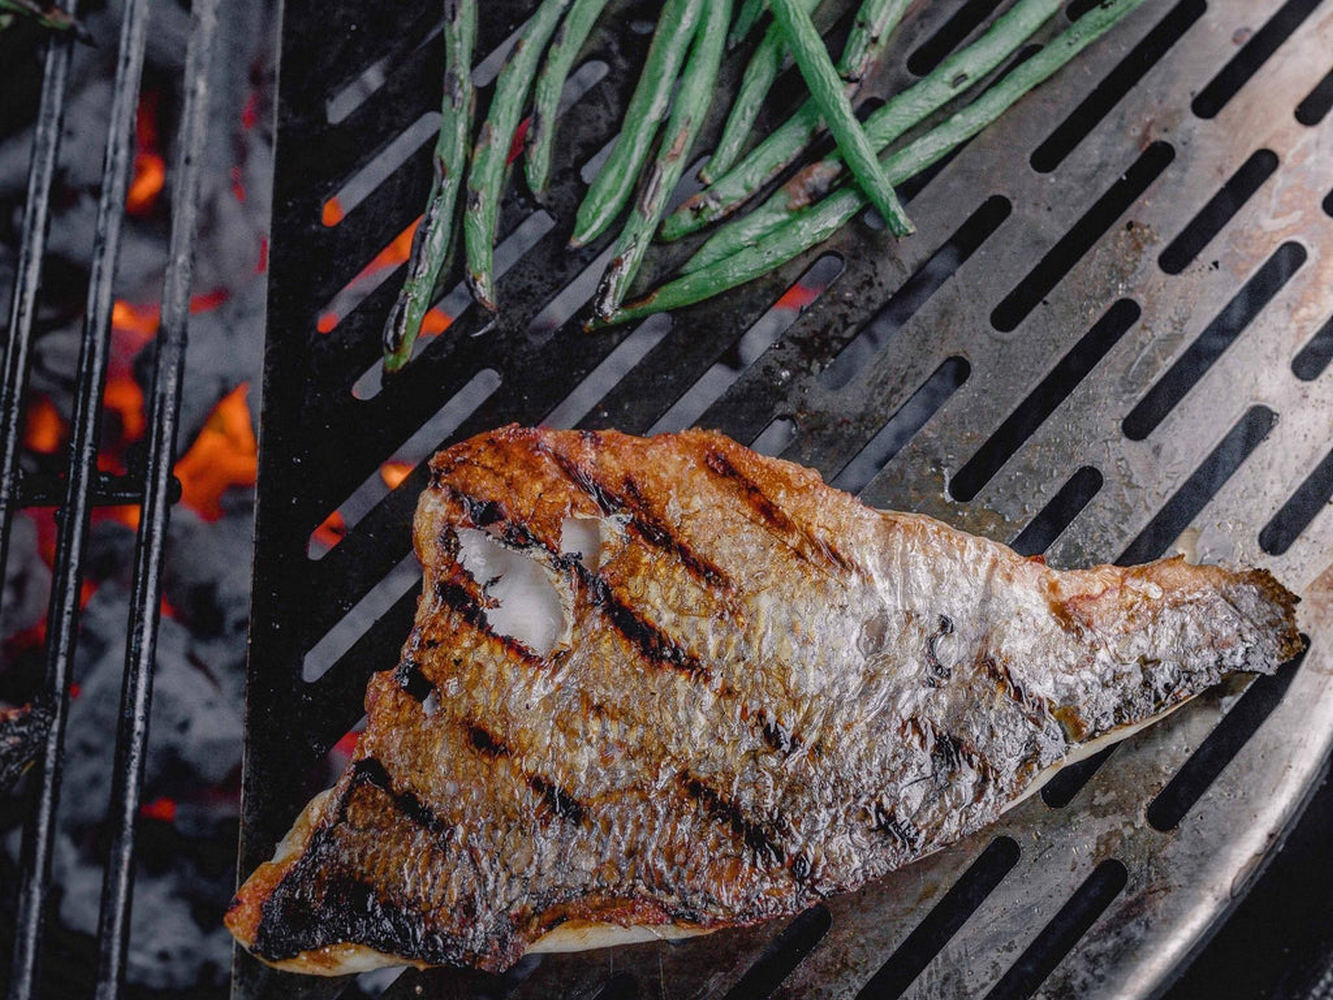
(431, 245)
(748, 16)
(565, 46)
(647, 107)
(816, 223)
(826, 87)
(490, 156)
(697, 84)
(900, 113)
(757, 80)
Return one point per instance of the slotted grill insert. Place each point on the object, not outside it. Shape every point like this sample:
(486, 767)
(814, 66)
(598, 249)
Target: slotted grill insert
(1104, 342)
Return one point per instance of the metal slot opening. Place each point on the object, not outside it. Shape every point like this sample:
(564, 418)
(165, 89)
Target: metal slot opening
(390, 258)
(1245, 63)
(761, 335)
(1056, 939)
(1216, 337)
(1303, 506)
(1327, 204)
(1116, 84)
(943, 921)
(775, 437)
(1211, 475)
(915, 292)
(785, 952)
(1070, 248)
(1051, 521)
(935, 49)
(903, 425)
(1315, 105)
(459, 300)
(1314, 357)
(364, 182)
(1061, 789)
(1042, 401)
(615, 366)
(1216, 751)
(359, 618)
(1218, 212)
(406, 457)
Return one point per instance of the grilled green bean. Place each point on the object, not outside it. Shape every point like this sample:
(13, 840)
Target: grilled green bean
(565, 46)
(816, 223)
(757, 80)
(690, 108)
(612, 186)
(491, 153)
(434, 236)
(869, 36)
(901, 112)
(826, 87)
(746, 18)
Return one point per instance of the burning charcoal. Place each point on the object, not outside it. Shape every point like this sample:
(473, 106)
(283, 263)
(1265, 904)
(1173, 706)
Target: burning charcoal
(21, 734)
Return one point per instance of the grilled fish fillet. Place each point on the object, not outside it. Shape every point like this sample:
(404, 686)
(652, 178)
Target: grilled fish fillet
(745, 691)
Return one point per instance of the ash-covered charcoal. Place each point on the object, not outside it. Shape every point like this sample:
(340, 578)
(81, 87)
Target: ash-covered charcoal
(22, 730)
(27, 581)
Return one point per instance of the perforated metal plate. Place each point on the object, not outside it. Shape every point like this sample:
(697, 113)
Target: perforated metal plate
(1108, 334)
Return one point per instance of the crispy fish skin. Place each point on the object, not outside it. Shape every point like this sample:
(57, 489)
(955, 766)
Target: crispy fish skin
(764, 693)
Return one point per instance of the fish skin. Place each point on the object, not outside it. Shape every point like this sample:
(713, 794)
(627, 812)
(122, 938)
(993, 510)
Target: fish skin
(767, 693)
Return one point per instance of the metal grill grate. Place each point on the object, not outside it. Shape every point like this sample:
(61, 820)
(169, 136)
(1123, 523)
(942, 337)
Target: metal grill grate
(1105, 340)
(82, 486)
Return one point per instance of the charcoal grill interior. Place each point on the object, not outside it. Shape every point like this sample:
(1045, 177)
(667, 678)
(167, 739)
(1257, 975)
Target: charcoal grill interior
(1107, 340)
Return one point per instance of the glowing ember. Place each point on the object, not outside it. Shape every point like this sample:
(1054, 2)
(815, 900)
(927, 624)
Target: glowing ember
(140, 319)
(150, 171)
(237, 188)
(394, 473)
(326, 322)
(347, 745)
(124, 397)
(45, 428)
(435, 322)
(798, 296)
(332, 213)
(520, 133)
(332, 531)
(224, 455)
(162, 809)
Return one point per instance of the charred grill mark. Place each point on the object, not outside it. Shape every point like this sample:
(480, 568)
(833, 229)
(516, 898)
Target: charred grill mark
(650, 640)
(938, 671)
(774, 518)
(556, 799)
(455, 596)
(946, 754)
(370, 771)
(723, 810)
(630, 500)
(776, 735)
(903, 831)
(486, 741)
(411, 679)
(800, 867)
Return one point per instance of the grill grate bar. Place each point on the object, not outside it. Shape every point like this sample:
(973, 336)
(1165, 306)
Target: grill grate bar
(145, 603)
(28, 275)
